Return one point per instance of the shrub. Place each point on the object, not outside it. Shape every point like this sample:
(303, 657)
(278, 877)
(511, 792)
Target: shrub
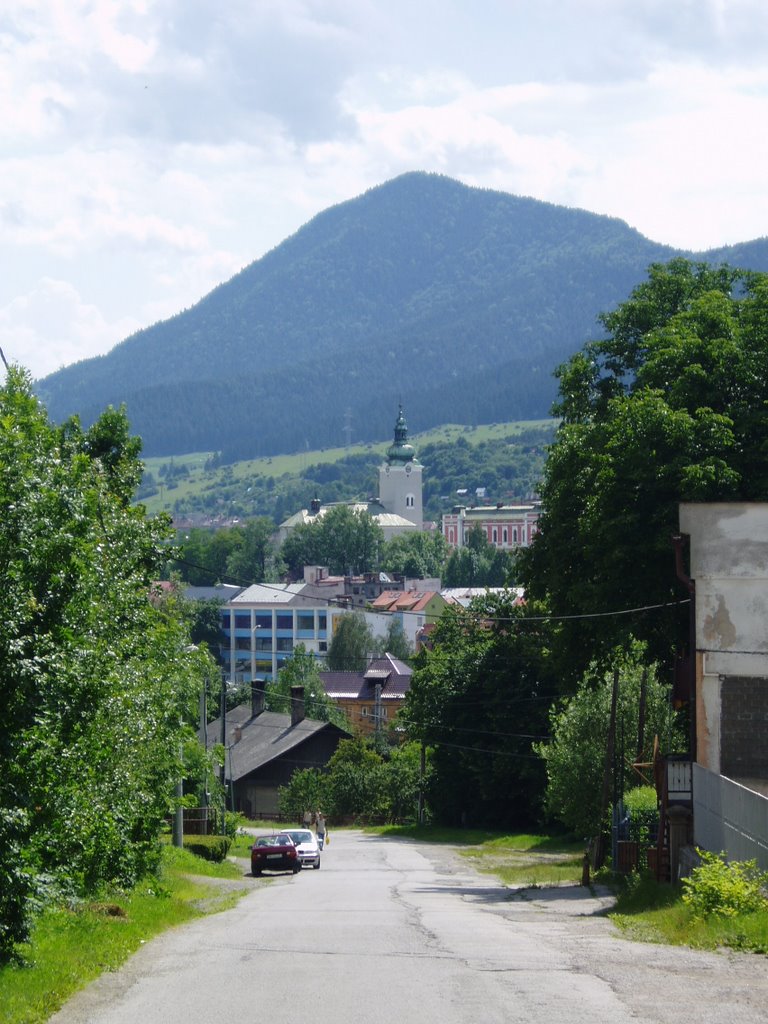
(717, 887)
(208, 847)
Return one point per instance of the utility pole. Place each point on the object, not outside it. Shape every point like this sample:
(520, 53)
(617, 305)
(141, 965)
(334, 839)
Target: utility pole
(223, 775)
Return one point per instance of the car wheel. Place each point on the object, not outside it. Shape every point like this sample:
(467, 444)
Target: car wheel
(257, 873)
(297, 869)
(316, 865)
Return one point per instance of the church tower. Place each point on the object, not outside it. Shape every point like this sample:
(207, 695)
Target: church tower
(400, 477)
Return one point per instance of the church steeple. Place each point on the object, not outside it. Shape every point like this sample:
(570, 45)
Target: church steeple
(400, 451)
(400, 477)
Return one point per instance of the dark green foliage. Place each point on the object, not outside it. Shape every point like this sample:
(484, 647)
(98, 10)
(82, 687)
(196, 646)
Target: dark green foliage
(347, 541)
(415, 555)
(241, 555)
(671, 406)
(575, 755)
(94, 679)
(351, 644)
(479, 564)
(213, 848)
(422, 290)
(480, 700)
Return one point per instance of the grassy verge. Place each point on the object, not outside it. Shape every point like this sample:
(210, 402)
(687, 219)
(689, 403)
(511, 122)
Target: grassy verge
(517, 859)
(70, 947)
(649, 911)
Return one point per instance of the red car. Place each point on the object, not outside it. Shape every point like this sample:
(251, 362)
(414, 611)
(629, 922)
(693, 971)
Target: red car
(275, 853)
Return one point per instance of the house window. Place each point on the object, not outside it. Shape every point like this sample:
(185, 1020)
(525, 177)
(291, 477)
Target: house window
(514, 535)
(263, 620)
(410, 501)
(284, 643)
(505, 535)
(495, 536)
(305, 621)
(242, 621)
(323, 646)
(284, 621)
(322, 621)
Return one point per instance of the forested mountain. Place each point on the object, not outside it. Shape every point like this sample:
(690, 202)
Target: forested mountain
(458, 302)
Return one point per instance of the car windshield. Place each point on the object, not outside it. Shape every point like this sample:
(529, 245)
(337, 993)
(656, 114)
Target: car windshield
(301, 836)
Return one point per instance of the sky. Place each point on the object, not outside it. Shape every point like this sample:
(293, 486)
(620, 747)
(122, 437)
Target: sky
(150, 149)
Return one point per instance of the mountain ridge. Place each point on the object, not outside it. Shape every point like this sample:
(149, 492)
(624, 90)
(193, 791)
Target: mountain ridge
(459, 302)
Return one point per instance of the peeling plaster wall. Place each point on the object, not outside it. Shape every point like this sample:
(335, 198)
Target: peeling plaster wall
(729, 564)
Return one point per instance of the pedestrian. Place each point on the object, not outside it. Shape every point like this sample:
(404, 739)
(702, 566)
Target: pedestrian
(320, 829)
(307, 819)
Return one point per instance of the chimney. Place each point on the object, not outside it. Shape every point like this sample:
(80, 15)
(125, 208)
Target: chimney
(257, 697)
(297, 704)
(237, 735)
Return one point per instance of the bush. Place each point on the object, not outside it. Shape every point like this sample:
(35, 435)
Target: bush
(717, 887)
(213, 848)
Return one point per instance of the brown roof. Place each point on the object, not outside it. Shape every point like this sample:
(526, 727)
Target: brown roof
(393, 674)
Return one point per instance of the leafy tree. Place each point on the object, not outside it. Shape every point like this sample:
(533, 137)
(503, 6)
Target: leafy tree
(402, 780)
(670, 406)
(303, 546)
(305, 790)
(254, 559)
(204, 618)
(478, 563)
(416, 555)
(94, 679)
(302, 669)
(395, 642)
(355, 780)
(345, 540)
(479, 699)
(576, 754)
(351, 540)
(203, 556)
(351, 644)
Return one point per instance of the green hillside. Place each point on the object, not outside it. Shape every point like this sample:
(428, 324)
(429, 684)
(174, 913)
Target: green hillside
(505, 458)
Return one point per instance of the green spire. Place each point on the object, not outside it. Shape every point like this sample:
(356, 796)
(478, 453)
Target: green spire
(400, 451)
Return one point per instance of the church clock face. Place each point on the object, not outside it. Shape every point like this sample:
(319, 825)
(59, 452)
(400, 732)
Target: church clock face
(408, 467)
(386, 470)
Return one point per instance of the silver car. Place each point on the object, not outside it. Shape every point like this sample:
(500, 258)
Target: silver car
(305, 841)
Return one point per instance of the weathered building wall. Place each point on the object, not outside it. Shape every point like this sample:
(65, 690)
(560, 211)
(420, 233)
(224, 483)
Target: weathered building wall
(729, 565)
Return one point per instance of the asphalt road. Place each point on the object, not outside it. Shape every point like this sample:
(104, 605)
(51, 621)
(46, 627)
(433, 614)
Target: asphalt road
(392, 931)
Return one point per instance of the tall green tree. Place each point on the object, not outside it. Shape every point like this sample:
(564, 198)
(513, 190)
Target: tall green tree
(479, 699)
(94, 679)
(346, 540)
(671, 405)
(254, 558)
(575, 757)
(395, 642)
(351, 644)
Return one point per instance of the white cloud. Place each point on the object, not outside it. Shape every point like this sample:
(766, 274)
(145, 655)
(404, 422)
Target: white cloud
(152, 149)
(50, 327)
